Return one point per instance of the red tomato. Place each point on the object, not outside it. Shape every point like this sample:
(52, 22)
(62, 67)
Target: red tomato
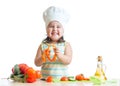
(79, 77)
(23, 67)
(64, 78)
(30, 75)
(12, 70)
(38, 74)
(49, 79)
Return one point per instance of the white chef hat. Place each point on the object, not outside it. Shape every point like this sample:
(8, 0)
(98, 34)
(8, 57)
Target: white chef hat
(55, 14)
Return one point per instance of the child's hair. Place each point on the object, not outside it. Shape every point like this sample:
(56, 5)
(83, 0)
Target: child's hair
(48, 40)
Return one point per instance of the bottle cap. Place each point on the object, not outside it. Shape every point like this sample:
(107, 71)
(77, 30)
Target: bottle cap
(99, 58)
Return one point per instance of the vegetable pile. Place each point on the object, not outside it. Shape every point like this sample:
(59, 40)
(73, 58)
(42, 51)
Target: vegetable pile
(23, 73)
(79, 77)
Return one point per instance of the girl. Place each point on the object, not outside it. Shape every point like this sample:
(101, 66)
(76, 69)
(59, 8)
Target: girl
(54, 53)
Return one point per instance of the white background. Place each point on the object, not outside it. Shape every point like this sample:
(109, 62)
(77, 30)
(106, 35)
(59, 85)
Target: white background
(93, 30)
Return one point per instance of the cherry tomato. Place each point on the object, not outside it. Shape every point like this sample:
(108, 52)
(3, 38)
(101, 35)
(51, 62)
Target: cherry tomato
(79, 77)
(49, 79)
(64, 78)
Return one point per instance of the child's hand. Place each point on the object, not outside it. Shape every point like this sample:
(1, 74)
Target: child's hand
(56, 50)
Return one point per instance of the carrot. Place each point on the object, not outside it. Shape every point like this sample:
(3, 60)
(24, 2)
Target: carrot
(43, 58)
(46, 53)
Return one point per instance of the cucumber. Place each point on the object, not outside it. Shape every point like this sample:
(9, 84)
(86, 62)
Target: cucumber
(71, 78)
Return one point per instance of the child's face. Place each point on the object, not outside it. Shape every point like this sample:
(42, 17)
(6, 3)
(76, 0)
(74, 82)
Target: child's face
(55, 31)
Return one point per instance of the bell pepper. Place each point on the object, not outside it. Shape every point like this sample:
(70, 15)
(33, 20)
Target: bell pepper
(30, 75)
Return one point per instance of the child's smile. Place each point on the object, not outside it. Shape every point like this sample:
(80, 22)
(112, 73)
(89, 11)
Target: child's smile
(54, 33)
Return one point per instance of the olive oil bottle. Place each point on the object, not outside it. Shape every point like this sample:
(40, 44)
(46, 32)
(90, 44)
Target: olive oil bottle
(100, 70)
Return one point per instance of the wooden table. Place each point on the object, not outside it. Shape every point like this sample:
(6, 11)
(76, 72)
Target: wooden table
(5, 82)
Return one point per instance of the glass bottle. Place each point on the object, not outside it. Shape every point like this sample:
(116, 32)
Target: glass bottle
(100, 70)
